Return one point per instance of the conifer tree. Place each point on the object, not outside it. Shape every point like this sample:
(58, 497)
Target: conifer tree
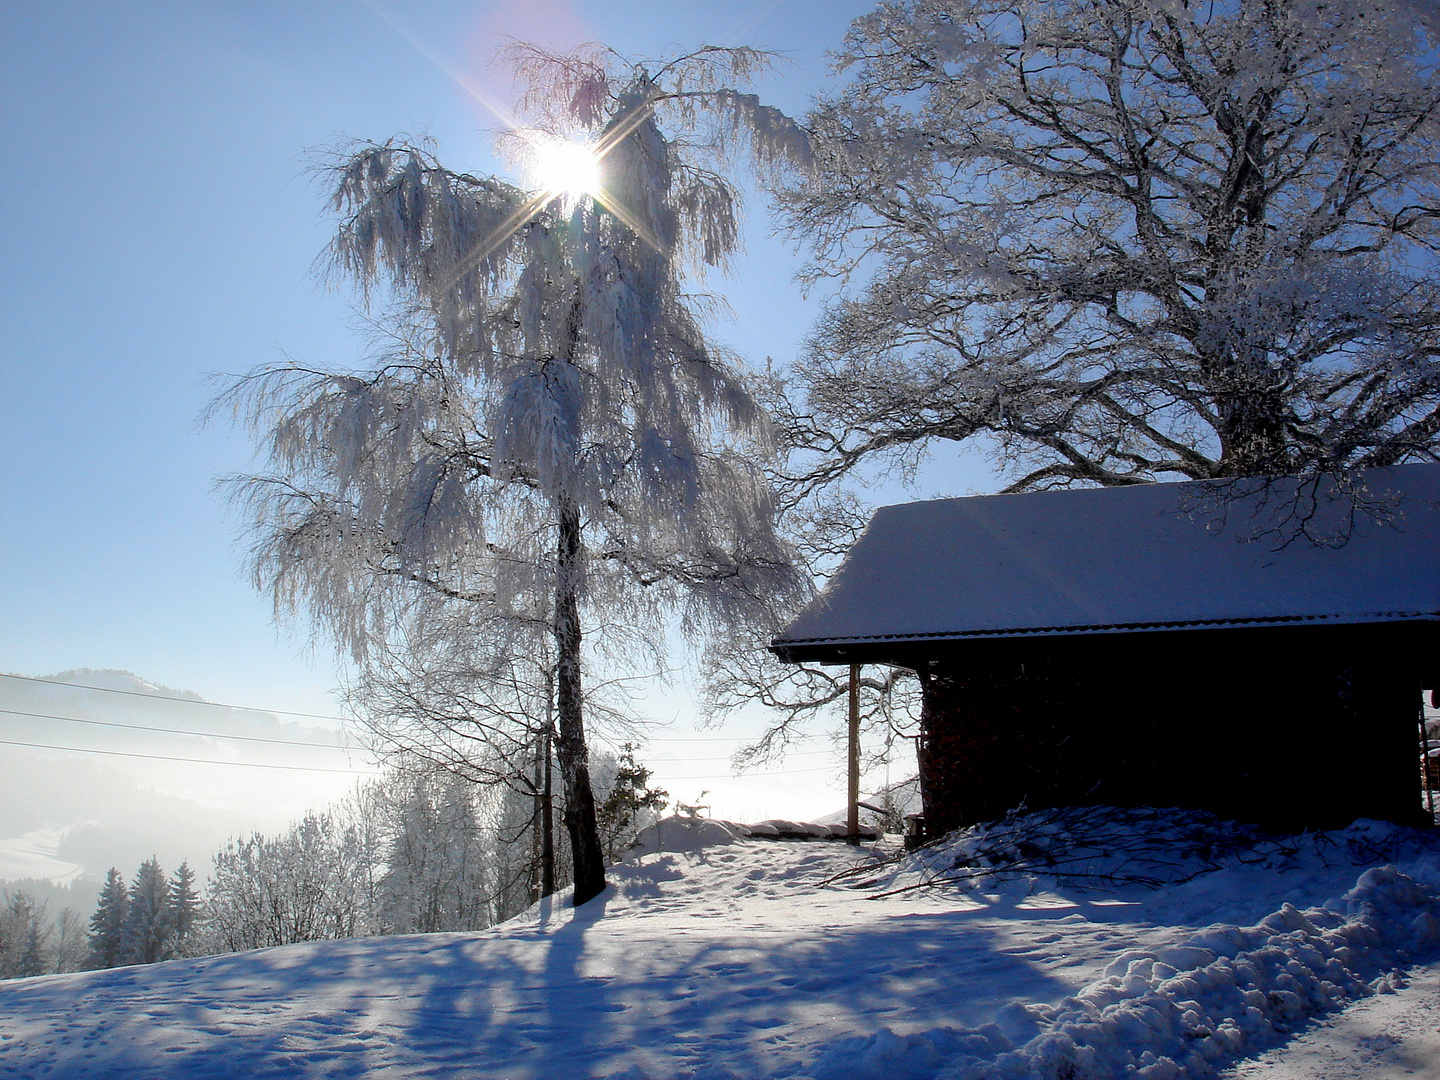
(107, 925)
(437, 869)
(146, 931)
(182, 907)
(630, 804)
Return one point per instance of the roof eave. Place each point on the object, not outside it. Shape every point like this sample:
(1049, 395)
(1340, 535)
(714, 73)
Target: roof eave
(863, 649)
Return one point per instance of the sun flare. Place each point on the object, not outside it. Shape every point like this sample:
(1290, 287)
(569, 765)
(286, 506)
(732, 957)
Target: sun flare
(567, 167)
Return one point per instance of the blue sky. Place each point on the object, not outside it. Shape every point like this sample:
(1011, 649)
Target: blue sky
(159, 225)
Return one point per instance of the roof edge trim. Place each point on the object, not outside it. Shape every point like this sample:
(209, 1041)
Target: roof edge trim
(1111, 628)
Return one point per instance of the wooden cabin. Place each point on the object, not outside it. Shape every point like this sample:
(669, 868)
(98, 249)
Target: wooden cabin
(1256, 649)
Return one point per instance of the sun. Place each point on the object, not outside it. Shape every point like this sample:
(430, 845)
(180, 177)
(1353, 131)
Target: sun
(566, 167)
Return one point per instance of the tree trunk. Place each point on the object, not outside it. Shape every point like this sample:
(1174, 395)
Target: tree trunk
(570, 745)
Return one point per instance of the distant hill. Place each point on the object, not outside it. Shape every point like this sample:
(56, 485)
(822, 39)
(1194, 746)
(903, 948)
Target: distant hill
(164, 773)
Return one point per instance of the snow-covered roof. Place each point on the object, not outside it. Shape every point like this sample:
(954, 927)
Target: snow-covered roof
(1159, 556)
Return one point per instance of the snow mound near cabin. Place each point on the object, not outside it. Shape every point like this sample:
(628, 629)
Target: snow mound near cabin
(1182, 1011)
(1103, 848)
(1189, 1008)
(683, 833)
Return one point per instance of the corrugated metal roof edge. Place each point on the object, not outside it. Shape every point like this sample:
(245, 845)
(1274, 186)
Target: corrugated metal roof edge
(1111, 628)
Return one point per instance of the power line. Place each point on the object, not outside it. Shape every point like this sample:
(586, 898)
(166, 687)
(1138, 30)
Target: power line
(739, 776)
(292, 742)
(734, 739)
(173, 731)
(692, 760)
(280, 712)
(191, 761)
(643, 739)
(170, 697)
(699, 738)
(347, 772)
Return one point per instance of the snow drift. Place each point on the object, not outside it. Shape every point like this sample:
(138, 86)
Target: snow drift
(1181, 1011)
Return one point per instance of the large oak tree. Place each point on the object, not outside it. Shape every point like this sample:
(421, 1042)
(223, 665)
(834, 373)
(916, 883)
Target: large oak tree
(1126, 240)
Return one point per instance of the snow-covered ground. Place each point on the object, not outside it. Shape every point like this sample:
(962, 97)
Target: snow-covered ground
(720, 958)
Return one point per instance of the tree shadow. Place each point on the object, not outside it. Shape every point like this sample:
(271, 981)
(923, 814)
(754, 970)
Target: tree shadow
(753, 998)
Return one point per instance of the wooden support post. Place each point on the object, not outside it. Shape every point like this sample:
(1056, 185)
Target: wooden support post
(1425, 757)
(852, 818)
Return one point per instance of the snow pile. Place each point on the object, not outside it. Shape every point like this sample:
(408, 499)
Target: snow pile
(1105, 847)
(680, 833)
(683, 833)
(1182, 1010)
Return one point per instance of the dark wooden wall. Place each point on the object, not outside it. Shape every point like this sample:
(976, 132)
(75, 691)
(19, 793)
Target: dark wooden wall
(1291, 728)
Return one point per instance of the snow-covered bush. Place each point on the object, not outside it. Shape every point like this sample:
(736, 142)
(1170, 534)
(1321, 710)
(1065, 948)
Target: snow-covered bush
(309, 883)
(25, 933)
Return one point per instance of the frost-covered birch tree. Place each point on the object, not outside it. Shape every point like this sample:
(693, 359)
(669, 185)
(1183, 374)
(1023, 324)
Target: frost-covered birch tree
(25, 933)
(549, 438)
(439, 870)
(310, 883)
(1123, 240)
